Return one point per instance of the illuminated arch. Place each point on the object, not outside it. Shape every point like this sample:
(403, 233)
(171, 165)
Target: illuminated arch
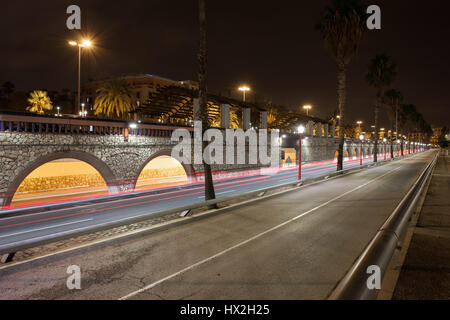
(101, 167)
(184, 172)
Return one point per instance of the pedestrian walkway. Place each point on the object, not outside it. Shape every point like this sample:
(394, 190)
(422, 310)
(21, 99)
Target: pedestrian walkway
(426, 271)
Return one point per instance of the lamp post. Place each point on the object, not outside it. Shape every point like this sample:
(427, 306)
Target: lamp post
(361, 138)
(307, 108)
(398, 148)
(58, 108)
(80, 45)
(244, 90)
(301, 131)
(385, 150)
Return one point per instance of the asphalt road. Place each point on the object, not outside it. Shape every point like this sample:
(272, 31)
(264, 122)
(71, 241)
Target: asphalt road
(80, 214)
(297, 245)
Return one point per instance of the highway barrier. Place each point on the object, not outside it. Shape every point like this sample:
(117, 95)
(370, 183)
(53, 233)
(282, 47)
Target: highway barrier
(354, 286)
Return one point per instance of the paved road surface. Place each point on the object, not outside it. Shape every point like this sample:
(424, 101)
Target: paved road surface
(297, 245)
(83, 214)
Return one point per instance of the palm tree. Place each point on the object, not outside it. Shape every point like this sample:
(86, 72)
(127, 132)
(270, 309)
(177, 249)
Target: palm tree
(343, 25)
(409, 113)
(203, 107)
(114, 98)
(392, 100)
(39, 102)
(380, 75)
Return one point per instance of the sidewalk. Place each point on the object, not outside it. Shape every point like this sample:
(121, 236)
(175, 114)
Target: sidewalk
(426, 271)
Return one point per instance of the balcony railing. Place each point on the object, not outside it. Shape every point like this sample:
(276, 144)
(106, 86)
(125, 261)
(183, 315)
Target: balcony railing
(11, 122)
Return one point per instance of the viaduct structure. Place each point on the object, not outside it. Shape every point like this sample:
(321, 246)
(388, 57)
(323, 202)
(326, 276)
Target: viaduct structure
(120, 151)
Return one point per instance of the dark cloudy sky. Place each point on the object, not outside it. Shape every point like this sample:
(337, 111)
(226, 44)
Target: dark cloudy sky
(271, 45)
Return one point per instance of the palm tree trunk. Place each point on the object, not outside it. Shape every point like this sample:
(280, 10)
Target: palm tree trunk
(377, 112)
(202, 74)
(341, 104)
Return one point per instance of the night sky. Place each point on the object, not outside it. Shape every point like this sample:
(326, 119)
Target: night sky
(270, 45)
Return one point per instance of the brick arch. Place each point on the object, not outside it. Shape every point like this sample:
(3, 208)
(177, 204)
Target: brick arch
(106, 173)
(166, 152)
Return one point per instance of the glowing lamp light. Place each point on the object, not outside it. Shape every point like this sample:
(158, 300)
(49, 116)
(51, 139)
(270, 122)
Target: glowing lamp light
(133, 125)
(361, 137)
(301, 129)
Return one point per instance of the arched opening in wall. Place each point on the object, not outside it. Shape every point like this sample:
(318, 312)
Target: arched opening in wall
(62, 179)
(347, 155)
(162, 171)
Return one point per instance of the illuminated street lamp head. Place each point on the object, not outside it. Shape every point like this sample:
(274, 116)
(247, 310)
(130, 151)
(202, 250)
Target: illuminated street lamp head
(133, 125)
(301, 129)
(307, 107)
(244, 89)
(83, 44)
(86, 44)
(398, 141)
(361, 137)
(384, 140)
(359, 122)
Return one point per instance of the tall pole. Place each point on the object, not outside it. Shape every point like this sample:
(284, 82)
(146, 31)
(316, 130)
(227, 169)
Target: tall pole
(300, 138)
(360, 154)
(385, 151)
(396, 123)
(243, 94)
(79, 80)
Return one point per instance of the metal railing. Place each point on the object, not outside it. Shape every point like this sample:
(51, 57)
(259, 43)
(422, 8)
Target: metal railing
(380, 250)
(58, 125)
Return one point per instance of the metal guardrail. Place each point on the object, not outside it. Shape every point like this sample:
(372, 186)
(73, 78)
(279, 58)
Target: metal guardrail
(382, 247)
(65, 235)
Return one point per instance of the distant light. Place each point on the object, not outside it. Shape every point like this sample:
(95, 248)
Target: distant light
(307, 107)
(361, 137)
(86, 44)
(133, 125)
(244, 88)
(301, 129)
(73, 43)
(384, 140)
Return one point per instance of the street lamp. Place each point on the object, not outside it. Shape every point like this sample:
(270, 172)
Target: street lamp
(244, 90)
(398, 147)
(385, 150)
(80, 45)
(301, 131)
(361, 138)
(58, 108)
(307, 108)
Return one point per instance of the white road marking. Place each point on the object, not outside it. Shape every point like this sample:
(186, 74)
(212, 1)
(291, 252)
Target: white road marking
(154, 284)
(46, 228)
(225, 192)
